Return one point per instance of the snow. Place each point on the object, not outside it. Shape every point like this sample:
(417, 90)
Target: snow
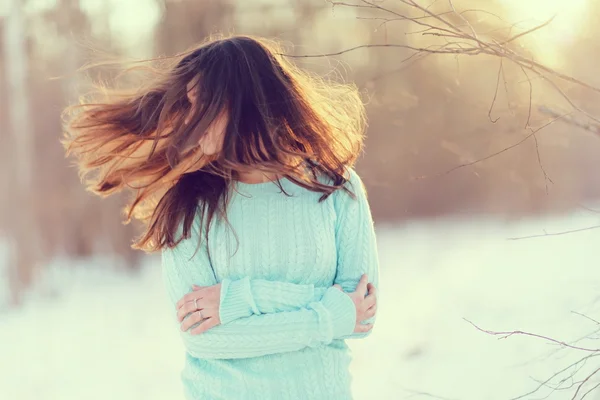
(90, 332)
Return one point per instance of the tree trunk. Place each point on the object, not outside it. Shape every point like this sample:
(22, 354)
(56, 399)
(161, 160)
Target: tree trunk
(20, 218)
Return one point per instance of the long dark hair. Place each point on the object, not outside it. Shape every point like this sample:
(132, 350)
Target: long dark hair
(282, 120)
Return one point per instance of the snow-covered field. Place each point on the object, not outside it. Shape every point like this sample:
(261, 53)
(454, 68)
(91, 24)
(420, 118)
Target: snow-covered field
(90, 333)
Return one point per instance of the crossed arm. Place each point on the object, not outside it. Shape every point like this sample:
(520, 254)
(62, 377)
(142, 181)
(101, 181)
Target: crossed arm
(260, 317)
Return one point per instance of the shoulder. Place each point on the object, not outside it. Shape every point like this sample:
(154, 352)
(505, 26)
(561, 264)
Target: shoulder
(354, 179)
(353, 189)
(350, 202)
(351, 176)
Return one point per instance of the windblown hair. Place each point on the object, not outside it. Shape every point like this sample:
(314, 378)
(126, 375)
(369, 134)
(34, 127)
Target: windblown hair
(282, 120)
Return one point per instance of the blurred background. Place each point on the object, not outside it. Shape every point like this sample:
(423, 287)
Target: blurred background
(482, 179)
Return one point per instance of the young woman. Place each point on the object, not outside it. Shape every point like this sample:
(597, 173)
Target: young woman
(242, 170)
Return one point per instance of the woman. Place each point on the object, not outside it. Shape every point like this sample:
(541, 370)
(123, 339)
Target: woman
(242, 169)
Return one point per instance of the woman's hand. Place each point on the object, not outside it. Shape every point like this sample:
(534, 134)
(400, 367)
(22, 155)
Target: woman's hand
(366, 306)
(202, 305)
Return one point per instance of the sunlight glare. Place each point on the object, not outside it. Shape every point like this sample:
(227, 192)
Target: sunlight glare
(563, 31)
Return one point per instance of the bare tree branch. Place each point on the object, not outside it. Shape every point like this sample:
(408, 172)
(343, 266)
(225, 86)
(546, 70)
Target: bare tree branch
(589, 228)
(590, 127)
(461, 42)
(430, 49)
(527, 32)
(530, 96)
(462, 17)
(577, 366)
(539, 158)
(504, 335)
(587, 317)
(548, 380)
(590, 390)
(490, 155)
(583, 383)
(413, 393)
(495, 95)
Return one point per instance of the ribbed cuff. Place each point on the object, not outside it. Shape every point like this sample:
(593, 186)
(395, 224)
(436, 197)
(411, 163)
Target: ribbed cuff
(236, 300)
(342, 312)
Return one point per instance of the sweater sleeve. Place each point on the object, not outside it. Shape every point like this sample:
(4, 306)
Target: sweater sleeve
(315, 325)
(245, 297)
(355, 241)
(357, 254)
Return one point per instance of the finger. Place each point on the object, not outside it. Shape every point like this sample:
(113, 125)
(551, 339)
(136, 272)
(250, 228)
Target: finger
(186, 298)
(196, 287)
(181, 302)
(370, 312)
(362, 284)
(371, 299)
(360, 328)
(188, 308)
(371, 287)
(194, 318)
(338, 286)
(204, 326)
(208, 312)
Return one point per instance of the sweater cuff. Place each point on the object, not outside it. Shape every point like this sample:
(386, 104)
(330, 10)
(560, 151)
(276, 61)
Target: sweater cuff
(341, 310)
(236, 300)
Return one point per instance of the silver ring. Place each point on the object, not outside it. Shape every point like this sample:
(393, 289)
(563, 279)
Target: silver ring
(195, 304)
(201, 316)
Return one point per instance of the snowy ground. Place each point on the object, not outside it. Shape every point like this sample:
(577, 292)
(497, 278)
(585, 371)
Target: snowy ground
(107, 335)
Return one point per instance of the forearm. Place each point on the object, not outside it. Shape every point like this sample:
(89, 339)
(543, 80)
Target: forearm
(245, 297)
(317, 324)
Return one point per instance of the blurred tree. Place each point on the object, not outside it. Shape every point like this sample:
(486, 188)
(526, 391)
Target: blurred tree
(187, 22)
(23, 234)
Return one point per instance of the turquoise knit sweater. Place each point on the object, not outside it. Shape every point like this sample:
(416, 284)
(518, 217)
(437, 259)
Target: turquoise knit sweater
(283, 326)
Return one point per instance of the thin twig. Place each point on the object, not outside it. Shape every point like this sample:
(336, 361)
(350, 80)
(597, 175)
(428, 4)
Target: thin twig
(590, 390)
(461, 16)
(341, 3)
(490, 155)
(506, 90)
(426, 394)
(583, 383)
(589, 228)
(586, 316)
(495, 95)
(544, 383)
(527, 32)
(568, 99)
(530, 97)
(539, 158)
(364, 46)
(588, 209)
(590, 127)
(508, 334)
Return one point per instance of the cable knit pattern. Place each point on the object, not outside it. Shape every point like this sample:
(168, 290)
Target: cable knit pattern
(283, 325)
